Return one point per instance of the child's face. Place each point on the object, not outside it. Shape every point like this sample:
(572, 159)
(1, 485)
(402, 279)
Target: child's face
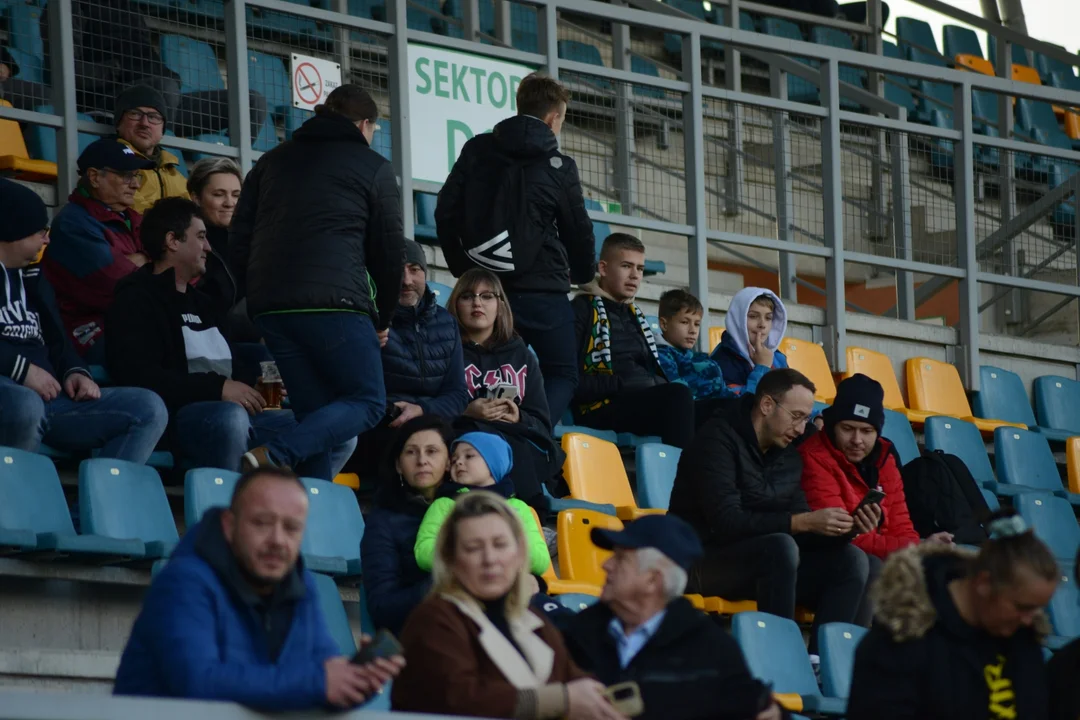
(468, 467)
(681, 330)
(759, 322)
(620, 275)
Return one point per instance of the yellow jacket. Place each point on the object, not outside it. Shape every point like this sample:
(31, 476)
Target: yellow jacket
(165, 180)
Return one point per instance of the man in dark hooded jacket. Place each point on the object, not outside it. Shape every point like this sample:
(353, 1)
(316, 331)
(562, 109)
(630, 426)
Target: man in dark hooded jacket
(556, 212)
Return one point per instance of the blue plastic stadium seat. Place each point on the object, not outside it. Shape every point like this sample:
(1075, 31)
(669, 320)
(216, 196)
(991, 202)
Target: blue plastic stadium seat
(962, 439)
(852, 76)
(524, 30)
(122, 500)
(1036, 118)
(1002, 396)
(991, 499)
(1019, 54)
(275, 23)
(917, 43)
(383, 143)
(267, 75)
(576, 601)
(41, 140)
(960, 41)
(206, 488)
(584, 53)
(632, 441)
(836, 645)
(897, 430)
(194, 61)
(776, 654)
(424, 229)
(455, 9)
(1047, 66)
(35, 515)
(656, 465)
(897, 88)
(24, 28)
(333, 610)
(442, 292)
(1024, 459)
(267, 137)
(1054, 523)
(1064, 80)
(799, 90)
(334, 529)
(31, 67)
(1064, 607)
(646, 67)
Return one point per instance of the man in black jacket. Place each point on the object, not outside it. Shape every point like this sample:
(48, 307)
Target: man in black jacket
(316, 243)
(164, 336)
(622, 386)
(643, 630)
(738, 484)
(556, 212)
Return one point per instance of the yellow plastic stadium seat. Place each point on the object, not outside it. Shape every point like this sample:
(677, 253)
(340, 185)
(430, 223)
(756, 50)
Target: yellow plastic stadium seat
(1025, 74)
(720, 606)
(579, 559)
(715, 333)
(1072, 462)
(351, 480)
(935, 388)
(697, 601)
(879, 367)
(809, 359)
(595, 472)
(556, 586)
(15, 161)
(974, 63)
(789, 701)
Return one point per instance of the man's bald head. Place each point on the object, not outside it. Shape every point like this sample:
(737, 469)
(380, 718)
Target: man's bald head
(265, 523)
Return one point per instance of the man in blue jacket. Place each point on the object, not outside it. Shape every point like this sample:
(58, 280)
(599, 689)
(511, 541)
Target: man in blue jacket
(235, 617)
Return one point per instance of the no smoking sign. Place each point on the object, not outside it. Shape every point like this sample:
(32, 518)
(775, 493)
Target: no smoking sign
(312, 80)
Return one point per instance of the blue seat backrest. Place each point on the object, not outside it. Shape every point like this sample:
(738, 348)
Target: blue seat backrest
(442, 292)
(781, 28)
(960, 41)
(898, 431)
(1064, 607)
(1047, 66)
(425, 208)
(1019, 54)
(1057, 402)
(962, 439)
(206, 488)
(194, 61)
(645, 67)
(576, 601)
(656, 465)
(24, 28)
(836, 646)
(747, 22)
(1024, 458)
(122, 500)
(897, 88)
(775, 652)
(580, 52)
(984, 104)
(41, 140)
(917, 42)
(1053, 521)
(335, 524)
(369, 9)
(1065, 81)
(1002, 396)
(1036, 115)
(268, 76)
(31, 497)
(991, 499)
(830, 36)
(333, 610)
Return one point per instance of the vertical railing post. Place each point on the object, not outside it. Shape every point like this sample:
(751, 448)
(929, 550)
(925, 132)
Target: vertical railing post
(549, 38)
(878, 206)
(785, 192)
(398, 56)
(964, 188)
(236, 59)
(625, 145)
(62, 70)
(734, 179)
(503, 30)
(833, 208)
(901, 200)
(471, 20)
(1010, 310)
(694, 150)
(342, 38)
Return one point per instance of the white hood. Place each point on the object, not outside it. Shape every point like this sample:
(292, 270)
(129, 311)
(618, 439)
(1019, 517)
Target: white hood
(735, 320)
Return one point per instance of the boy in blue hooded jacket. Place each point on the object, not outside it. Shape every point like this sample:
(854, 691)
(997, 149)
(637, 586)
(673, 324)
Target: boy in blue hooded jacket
(755, 322)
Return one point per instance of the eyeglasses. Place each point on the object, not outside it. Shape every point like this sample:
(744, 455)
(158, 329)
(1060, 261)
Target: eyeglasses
(797, 418)
(131, 177)
(151, 117)
(484, 297)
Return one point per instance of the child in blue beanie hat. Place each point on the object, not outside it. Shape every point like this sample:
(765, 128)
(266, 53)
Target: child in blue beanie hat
(482, 461)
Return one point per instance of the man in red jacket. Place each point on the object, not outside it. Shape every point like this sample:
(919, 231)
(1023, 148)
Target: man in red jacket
(848, 459)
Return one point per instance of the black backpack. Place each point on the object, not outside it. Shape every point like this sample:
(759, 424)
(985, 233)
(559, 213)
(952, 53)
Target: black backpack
(942, 495)
(496, 232)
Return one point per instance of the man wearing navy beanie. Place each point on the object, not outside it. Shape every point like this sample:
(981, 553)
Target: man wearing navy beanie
(45, 390)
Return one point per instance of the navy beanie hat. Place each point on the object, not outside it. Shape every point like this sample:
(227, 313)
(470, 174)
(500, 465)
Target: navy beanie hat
(495, 451)
(23, 211)
(858, 398)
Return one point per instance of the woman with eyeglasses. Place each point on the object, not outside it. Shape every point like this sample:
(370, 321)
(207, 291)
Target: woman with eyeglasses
(504, 382)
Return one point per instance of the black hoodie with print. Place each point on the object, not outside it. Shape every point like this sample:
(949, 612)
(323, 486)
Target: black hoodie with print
(31, 332)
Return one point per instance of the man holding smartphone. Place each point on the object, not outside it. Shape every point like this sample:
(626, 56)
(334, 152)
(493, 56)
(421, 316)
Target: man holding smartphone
(234, 616)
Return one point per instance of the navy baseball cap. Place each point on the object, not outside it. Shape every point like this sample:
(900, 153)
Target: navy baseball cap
(113, 154)
(670, 535)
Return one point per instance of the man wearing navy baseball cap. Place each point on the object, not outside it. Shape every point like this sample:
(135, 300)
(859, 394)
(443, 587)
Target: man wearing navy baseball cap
(644, 630)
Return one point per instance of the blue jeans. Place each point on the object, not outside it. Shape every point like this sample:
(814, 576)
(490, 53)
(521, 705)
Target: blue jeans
(545, 321)
(332, 366)
(217, 433)
(126, 423)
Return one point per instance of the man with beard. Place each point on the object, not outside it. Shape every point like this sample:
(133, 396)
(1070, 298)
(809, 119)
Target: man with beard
(236, 617)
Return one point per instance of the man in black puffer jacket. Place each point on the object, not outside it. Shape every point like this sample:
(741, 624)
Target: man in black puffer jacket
(316, 243)
(739, 485)
(556, 212)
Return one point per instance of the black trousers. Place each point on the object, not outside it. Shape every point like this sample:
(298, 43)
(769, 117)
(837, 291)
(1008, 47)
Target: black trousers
(779, 574)
(665, 410)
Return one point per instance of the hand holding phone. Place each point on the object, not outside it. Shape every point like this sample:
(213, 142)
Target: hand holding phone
(867, 515)
(385, 646)
(626, 698)
(873, 497)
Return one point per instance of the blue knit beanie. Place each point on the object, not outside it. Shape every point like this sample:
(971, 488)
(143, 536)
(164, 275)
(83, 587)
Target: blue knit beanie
(495, 451)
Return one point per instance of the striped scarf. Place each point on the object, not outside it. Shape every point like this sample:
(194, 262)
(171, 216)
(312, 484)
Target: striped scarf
(598, 349)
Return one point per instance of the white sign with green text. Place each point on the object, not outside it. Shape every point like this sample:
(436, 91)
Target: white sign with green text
(452, 97)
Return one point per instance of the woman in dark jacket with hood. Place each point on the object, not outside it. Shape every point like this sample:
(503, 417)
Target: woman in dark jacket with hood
(417, 464)
(957, 635)
(498, 362)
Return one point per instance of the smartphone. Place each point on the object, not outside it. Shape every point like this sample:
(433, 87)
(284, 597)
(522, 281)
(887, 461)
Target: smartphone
(626, 698)
(874, 497)
(392, 412)
(506, 391)
(385, 645)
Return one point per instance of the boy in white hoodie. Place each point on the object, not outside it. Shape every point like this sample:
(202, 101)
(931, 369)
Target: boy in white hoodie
(621, 385)
(755, 322)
